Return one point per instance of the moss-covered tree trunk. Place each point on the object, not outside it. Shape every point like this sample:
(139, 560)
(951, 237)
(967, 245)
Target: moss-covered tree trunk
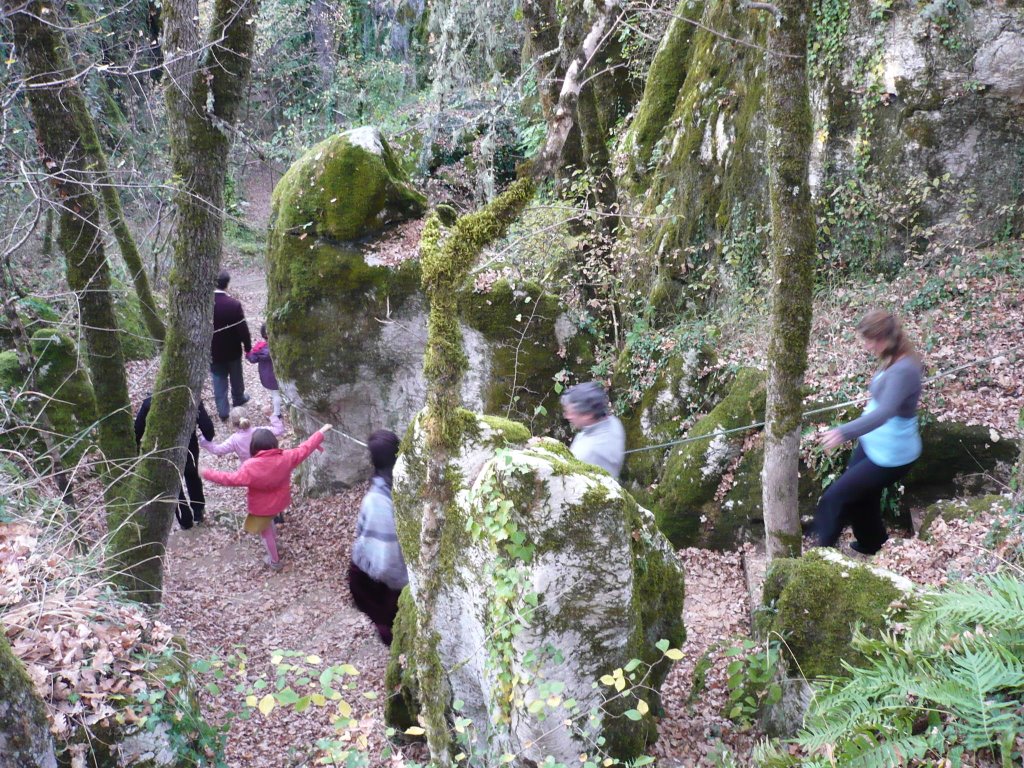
(444, 269)
(203, 101)
(25, 739)
(63, 129)
(792, 270)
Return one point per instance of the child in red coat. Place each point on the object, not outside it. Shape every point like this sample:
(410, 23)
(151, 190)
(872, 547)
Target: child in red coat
(268, 476)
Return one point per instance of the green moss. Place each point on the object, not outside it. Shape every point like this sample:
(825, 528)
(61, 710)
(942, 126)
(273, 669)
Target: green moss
(136, 341)
(69, 400)
(962, 509)
(952, 449)
(401, 704)
(689, 481)
(814, 604)
(341, 191)
(509, 432)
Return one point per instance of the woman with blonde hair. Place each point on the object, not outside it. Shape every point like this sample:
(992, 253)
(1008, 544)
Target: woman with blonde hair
(888, 439)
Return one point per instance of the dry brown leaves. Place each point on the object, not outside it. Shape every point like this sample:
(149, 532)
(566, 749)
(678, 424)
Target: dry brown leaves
(82, 649)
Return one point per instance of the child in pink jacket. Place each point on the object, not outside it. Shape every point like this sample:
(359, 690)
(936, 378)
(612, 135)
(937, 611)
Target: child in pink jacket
(238, 443)
(268, 476)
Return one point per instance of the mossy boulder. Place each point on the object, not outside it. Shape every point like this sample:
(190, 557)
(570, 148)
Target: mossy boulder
(348, 336)
(814, 602)
(66, 396)
(34, 313)
(596, 585)
(684, 500)
(25, 738)
(962, 509)
(344, 188)
(663, 413)
(958, 460)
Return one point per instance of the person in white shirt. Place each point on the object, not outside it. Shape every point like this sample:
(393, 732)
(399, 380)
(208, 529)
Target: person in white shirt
(601, 440)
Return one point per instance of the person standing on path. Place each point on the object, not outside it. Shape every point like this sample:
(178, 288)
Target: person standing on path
(190, 508)
(377, 572)
(239, 442)
(260, 355)
(268, 478)
(601, 440)
(230, 339)
(889, 440)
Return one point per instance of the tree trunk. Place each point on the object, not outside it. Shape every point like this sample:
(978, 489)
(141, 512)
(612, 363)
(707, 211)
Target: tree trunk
(63, 127)
(24, 724)
(792, 269)
(324, 40)
(444, 269)
(208, 83)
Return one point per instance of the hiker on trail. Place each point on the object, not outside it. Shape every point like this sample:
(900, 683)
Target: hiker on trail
(238, 443)
(190, 509)
(377, 572)
(889, 441)
(601, 440)
(268, 476)
(260, 355)
(230, 338)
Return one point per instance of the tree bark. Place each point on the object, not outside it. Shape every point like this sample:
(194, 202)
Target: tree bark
(792, 271)
(24, 724)
(63, 129)
(204, 95)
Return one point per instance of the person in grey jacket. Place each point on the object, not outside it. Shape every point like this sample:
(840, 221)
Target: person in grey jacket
(601, 439)
(888, 439)
(377, 572)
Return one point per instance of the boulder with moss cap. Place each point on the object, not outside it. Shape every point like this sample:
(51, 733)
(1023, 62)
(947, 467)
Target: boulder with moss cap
(600, 586)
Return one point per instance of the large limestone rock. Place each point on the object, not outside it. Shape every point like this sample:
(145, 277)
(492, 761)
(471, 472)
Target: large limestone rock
(917, 109)
(598, 585)
(348, 333)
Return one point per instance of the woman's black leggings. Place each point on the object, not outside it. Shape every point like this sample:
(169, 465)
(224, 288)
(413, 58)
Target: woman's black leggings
(855, 499)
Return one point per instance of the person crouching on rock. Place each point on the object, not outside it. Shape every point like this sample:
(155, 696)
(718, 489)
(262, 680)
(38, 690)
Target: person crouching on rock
(377, 572)
(889, 441)
(268, 476)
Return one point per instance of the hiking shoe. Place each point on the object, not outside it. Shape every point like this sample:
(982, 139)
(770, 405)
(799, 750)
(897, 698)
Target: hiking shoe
(860, 549)
(274, 565)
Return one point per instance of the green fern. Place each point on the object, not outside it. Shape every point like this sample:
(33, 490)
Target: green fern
(950, 682)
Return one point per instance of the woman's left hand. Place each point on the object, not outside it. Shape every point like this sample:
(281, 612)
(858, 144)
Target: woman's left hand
(832, 439)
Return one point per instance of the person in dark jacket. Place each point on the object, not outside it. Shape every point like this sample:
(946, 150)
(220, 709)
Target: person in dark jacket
(190, 509)
(230, 339)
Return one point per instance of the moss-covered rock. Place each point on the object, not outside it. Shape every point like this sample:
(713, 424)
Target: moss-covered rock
(814, 602)
(67, 398)
(962, 509)
(958, 460)
(584, 578)
(684, 499)
(34, 313)
(343, 189)
(908, 120)
(663, 413)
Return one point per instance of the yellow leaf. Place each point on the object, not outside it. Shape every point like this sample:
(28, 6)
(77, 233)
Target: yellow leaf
(554, 701)
(619, 683)
(607, 680)
(266, 704)
(275, 660)
(414, 731)
(250, 701)
(344, 708)
(507, 758)
(348, 669)
(319, 699)
(641, 707)
(314, 660)
(674, 653)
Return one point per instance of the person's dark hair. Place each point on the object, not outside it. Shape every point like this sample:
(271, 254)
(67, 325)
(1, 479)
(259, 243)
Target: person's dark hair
(262, 440)
(587, 398)
(383, 446)
(223, 278)
(879, 325)
(263, 330)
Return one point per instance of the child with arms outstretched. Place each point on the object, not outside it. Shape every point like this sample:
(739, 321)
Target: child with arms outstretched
(268, 476)
(239, 442)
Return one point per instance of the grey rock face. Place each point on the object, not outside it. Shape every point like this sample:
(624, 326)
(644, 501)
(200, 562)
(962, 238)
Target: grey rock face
(607, 589)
